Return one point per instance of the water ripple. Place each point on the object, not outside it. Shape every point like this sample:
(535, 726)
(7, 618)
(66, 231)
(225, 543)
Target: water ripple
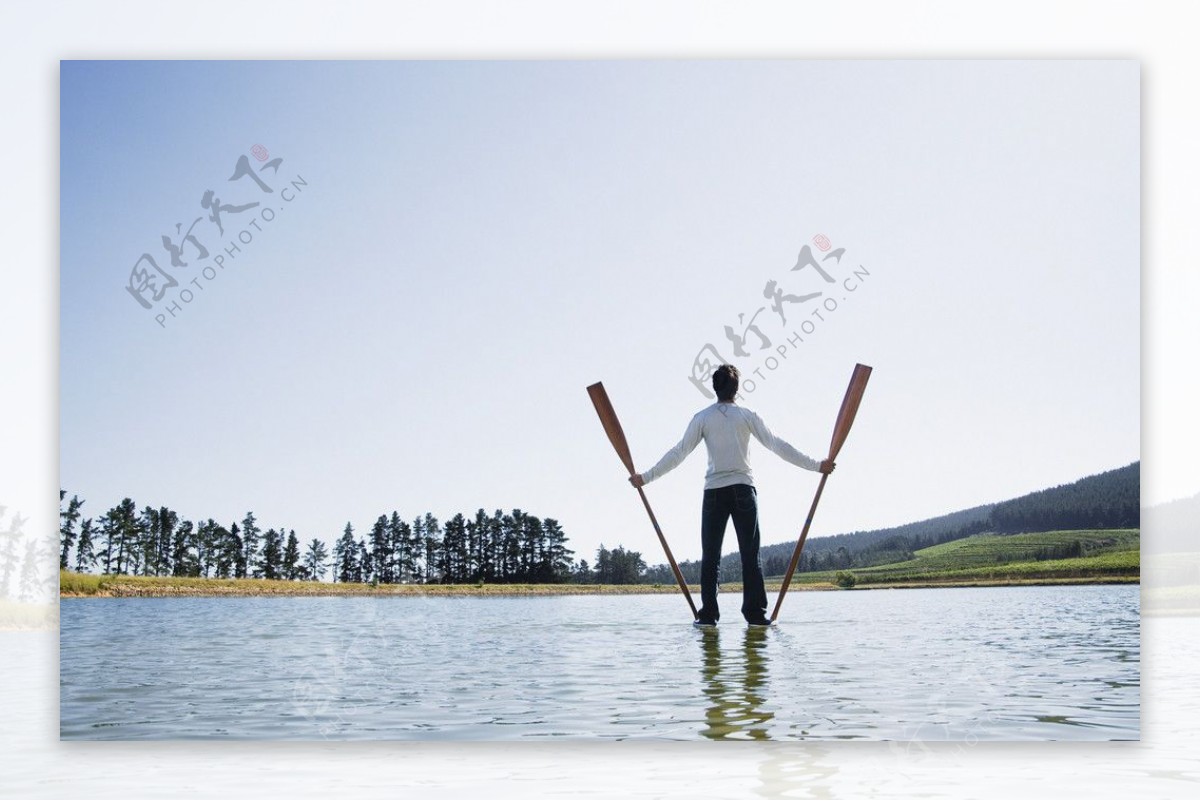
(918, 665)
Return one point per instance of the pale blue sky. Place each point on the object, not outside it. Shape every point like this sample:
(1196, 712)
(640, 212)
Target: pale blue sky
(478, 241)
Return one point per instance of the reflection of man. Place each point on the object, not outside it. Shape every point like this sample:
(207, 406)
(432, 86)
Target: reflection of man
(734, 710)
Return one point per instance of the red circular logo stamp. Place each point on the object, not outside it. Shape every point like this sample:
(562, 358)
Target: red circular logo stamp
(259, 152)
(822, 241)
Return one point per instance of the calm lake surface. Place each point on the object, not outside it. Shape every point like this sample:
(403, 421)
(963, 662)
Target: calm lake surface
(1012, 663)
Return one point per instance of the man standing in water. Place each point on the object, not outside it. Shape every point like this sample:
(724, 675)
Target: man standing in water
(729, 491)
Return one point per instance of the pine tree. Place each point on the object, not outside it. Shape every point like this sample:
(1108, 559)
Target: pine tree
(582, 573)
(250, 539)
(66, 528)
(236, 551)
(167, 521)
(417, 551)
(555, 565)
(122, 533)
(480, 534)
(405, 558)
(316, 560)
(433, 548)
(344, 553)
(471, 571)
(271, 560)
(494, 548)
(148, 547)
(362, 564)
(510, 553)
(454, 550)
(291, 557)
(85, 555)
(183, 557)
(603, 569)
(382, 554)
(108, 539)
(531, 546)
(205, 544)
(227, 550)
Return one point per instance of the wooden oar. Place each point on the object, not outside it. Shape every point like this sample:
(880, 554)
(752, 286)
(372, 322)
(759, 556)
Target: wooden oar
(841, 429)
(612, 427)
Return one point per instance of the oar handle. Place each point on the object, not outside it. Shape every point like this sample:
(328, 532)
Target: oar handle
(670, 557)
(787, 580)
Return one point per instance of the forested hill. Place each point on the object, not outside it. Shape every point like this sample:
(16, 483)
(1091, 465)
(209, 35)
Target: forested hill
(1106, 500)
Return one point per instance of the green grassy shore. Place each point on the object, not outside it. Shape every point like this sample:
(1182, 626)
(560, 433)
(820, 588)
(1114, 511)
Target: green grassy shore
(73, 585)
(984, 560)
(1108, 556)
(76, 585)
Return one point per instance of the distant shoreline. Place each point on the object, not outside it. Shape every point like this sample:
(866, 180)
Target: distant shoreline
(76, 585)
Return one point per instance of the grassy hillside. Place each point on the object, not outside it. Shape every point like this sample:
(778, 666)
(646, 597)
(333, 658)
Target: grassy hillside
(1110, 554)
(1105, 501)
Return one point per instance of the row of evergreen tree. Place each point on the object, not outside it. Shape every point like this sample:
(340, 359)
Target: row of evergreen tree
(498, 548)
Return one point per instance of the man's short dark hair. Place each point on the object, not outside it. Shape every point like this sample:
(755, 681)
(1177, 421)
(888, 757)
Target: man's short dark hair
(725, 382)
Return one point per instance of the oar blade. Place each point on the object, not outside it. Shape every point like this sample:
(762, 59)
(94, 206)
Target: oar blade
(612, 426)
(845, 418)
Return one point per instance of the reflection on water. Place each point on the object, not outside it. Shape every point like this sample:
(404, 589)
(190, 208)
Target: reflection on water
(907, 666)
(734, 684)
(35, 764)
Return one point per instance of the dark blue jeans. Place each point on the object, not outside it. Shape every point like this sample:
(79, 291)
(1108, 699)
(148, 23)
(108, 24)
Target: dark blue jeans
(739, 501)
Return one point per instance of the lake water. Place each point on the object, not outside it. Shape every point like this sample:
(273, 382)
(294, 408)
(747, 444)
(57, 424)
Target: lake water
(1019, 663)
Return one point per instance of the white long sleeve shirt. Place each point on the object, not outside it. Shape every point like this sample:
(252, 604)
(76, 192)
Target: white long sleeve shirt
(726, 429)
